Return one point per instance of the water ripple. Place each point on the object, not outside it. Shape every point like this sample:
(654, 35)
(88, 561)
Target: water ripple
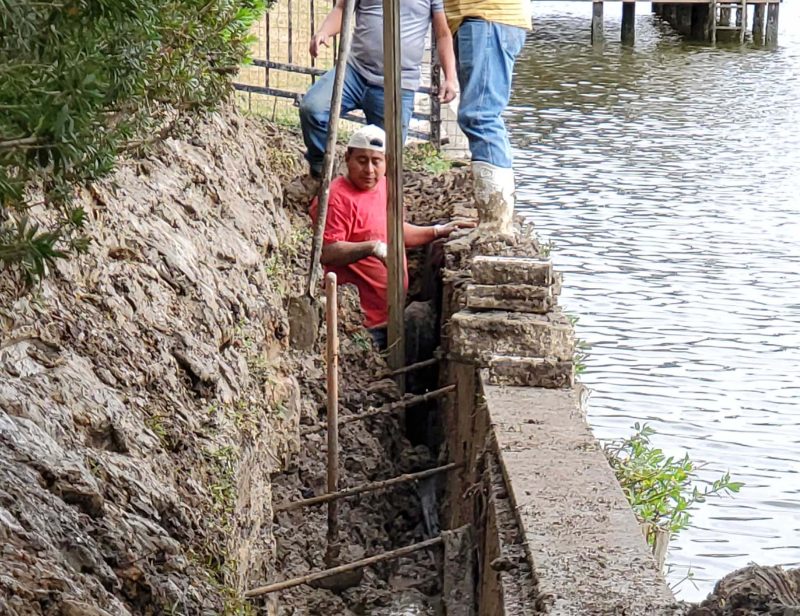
(666, 176)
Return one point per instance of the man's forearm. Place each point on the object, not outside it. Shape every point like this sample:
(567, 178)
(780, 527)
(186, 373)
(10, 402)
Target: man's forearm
(444, 46)
(414, 235)
(333, 22)
(447, 57)
(345, 253)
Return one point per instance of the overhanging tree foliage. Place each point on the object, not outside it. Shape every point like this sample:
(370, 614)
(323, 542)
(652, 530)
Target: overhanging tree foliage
(82, 80)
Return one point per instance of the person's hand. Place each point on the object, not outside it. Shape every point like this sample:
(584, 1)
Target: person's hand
(446, 229)
(318, 40)
(448, 90)
(380, 250)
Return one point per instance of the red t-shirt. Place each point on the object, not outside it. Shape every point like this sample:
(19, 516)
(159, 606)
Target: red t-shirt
(360, 216)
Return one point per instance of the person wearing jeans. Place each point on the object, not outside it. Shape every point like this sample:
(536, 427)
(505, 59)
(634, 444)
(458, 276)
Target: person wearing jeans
(489, 35)
(363, 82)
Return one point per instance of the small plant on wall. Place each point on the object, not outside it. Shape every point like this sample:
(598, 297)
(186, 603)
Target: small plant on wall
(660, 489)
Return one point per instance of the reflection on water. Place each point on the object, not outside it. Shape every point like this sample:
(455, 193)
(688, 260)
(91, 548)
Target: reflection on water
(668, 177)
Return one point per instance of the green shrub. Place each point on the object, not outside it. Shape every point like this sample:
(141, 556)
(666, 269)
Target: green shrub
(82, 81)
(660, 489)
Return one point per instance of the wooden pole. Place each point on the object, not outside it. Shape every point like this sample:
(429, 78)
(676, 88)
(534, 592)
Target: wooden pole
(773, 9)
(365, 487)
(393, 112)
(388, 408)
(330, 147)
(597, 22)
(628, 23)
(759, 21)
(333, 414)
(320, 575)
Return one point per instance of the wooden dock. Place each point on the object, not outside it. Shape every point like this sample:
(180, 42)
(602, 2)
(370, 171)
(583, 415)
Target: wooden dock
(701, 20)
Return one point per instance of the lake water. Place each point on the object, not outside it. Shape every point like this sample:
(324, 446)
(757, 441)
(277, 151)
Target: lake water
(667, 176)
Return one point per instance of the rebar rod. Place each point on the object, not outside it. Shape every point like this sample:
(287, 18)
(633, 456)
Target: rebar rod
(394, 406)
(364, 562)
(366, 487)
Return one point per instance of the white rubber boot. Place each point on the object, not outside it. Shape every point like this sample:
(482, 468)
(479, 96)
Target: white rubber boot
(494, 197)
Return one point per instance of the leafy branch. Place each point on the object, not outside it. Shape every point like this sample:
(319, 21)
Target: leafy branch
(660, 489)
(84, 79)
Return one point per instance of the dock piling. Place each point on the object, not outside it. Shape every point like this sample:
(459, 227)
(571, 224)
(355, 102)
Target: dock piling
(771, 38)
(684, 19)
(628, 23)
(598, 35)
(759, 23)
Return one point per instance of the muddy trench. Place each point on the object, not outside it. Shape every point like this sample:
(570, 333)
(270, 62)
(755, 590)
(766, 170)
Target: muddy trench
(374, 449)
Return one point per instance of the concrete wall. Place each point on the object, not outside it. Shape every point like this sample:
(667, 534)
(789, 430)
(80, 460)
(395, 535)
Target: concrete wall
(554, 531)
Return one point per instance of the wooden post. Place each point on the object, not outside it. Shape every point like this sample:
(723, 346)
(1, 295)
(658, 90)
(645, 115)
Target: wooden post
(684, 25)
(333, 415)
(396, 293)
(759, 21)
(597, 22)
(672, 15)
(330, 146)
(628, 23)
(772, 24)
(701, 22)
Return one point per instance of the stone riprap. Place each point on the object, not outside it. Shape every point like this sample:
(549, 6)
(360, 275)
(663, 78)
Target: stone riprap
(477, 335)
(530, 371)
(498, 270)
(510, 297)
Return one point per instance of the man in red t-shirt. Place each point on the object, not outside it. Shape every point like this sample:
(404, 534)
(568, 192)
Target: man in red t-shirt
(354, 241)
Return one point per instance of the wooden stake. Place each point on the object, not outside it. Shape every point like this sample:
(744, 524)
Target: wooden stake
(365, 487)
(319, 575)
(396, 293)
(330, 146)
(388, 408)
(333, 414)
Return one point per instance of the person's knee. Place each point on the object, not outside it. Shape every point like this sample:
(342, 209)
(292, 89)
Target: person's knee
(309, 108)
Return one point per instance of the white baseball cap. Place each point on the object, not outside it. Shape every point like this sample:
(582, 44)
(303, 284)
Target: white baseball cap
(369, 137)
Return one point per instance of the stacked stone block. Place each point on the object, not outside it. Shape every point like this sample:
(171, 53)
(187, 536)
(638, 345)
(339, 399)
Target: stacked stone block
(511, 324)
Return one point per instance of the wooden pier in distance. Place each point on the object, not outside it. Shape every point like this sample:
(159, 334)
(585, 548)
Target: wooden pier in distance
(701, 20)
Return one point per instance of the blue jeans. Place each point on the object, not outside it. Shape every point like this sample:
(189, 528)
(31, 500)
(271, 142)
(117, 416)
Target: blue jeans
(315, 110)
(486, 52)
